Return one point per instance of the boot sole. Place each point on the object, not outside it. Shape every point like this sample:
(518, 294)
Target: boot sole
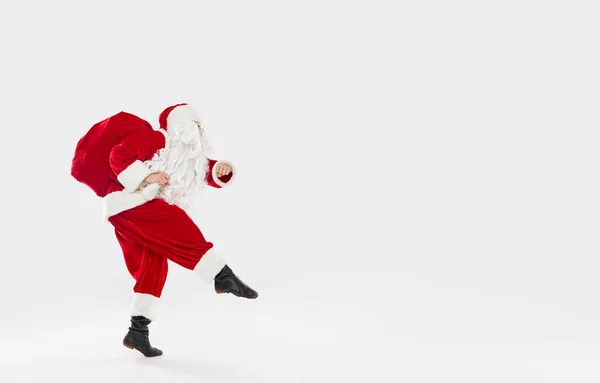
(128, 346)
(226, 292)
(135, 349)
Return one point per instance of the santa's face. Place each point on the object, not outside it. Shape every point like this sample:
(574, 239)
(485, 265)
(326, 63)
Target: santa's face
(185, 160)
(188, 136)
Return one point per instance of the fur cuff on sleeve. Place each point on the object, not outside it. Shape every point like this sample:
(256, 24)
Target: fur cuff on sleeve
(133, 175)
(228, 179)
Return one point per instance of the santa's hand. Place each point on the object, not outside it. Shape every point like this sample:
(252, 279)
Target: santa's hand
(158, 178)
(222, 169)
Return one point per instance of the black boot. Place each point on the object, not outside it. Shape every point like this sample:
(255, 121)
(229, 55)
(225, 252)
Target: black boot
(137, 337)
(227, 282)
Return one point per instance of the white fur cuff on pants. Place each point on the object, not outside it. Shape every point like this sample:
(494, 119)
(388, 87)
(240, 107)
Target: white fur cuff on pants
(144, 305)
(210, 265)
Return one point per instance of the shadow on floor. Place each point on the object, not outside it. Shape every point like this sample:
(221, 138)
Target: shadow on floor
(197, 368)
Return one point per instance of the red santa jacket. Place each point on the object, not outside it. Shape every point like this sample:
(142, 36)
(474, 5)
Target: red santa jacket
(129, 171)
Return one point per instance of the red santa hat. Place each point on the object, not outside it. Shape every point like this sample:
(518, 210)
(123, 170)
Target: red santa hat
(176, 114)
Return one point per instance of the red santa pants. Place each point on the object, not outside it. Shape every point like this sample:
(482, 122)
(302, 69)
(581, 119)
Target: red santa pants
(150, 235)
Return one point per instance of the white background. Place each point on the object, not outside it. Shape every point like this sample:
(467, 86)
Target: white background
(416, 196)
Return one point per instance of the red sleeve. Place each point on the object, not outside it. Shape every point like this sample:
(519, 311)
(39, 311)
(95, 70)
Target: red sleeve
(126, 158)
(218, 182)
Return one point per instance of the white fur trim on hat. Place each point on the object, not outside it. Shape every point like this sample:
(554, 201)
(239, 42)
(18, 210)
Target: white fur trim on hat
(210, 265)
(182, 113)
(144, 305)
(216, 178)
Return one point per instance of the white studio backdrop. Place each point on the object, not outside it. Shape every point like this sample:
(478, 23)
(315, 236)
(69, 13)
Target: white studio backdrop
(416, 196)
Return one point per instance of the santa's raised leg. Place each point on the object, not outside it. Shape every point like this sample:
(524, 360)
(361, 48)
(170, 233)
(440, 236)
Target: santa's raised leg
(151, 223)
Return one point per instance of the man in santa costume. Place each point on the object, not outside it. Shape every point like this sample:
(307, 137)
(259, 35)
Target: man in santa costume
(156, 174)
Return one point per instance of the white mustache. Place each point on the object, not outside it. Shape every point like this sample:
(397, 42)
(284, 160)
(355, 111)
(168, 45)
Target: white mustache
(189, 134)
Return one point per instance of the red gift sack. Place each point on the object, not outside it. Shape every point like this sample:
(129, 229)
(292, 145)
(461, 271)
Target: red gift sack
(91, 162)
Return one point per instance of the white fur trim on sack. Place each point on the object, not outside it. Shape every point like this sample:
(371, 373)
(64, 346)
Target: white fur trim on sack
(144, 305)
(133, 175)
(119, 201)
(217, 180)
(210, 265)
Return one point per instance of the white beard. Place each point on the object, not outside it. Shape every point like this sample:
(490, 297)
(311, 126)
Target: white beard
(185, 160)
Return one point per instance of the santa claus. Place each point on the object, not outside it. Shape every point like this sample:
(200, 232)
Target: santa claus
(156, 174)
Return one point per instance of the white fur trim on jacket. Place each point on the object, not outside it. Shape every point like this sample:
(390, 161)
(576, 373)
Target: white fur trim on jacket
(133, 175)
(119, 201)
(182, 113)
(144, 305)
(209, 266)
(217, 180)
